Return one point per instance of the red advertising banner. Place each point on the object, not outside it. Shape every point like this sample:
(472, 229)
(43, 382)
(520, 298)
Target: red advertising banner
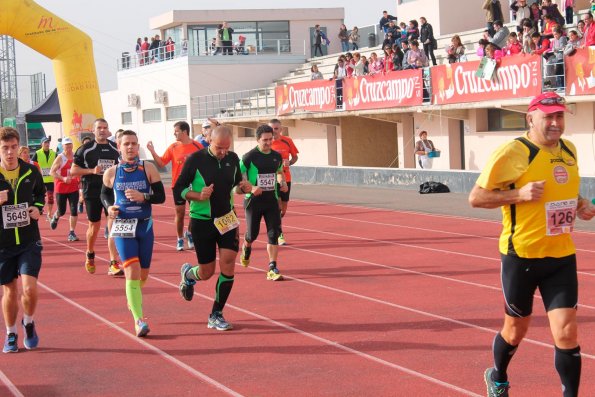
(516, 76)
(580, 72)
(310, 96)
(399, 88)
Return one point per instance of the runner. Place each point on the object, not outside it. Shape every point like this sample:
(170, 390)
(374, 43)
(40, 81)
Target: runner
(535, 180)
(284, 145)
(90, 162)
(24, 155)
(21, 198)
(67, 188)
(264, 169)
(207, 180)
(81, 208)
(128, 191)
(177, 153)
(45, 158)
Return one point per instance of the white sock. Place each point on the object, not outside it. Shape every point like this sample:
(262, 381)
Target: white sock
(11, 330)
(27, 319)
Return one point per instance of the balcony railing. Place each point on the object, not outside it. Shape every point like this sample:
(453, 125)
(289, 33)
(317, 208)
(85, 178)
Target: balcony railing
(259, 102)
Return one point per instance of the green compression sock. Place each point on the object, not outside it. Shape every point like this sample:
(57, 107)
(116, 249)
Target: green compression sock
(135, 298)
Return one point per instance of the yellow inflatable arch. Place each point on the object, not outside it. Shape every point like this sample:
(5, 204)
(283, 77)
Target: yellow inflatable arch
(71, 52)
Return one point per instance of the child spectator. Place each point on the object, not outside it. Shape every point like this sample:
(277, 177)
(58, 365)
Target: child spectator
(316, 75)
(513, 47)
(354, 38)
(455, 50)
(375, 65)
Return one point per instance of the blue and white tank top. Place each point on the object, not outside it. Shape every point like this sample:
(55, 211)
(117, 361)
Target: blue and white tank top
(136, 180)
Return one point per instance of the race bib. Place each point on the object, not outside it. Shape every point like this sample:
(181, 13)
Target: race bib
(124, 228)
(14, 216)
(266, 181)
(105, 164)
(226, 222)
(45, 171)
(560, 216)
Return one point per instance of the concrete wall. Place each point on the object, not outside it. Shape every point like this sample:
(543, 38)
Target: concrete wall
(368, 143)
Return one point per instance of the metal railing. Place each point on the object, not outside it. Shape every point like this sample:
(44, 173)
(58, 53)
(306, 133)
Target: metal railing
(258, 102)
(278, 47)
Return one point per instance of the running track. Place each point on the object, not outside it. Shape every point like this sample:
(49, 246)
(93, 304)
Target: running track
(374, 302)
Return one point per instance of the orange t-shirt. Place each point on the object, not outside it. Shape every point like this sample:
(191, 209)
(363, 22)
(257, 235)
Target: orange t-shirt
(177, 153)
(286, 147)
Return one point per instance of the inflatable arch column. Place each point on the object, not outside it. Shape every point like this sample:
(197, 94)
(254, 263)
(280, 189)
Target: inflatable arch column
(71, 52)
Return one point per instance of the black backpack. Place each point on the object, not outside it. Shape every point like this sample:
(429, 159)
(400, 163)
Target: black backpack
(433, 187)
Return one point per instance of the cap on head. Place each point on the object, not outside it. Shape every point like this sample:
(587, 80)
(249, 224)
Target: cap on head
(548, 102)
(66, 141)
(206, 124)
(45, 139)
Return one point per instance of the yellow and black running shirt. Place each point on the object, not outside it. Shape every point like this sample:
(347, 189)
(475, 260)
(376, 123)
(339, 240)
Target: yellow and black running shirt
(536, 229)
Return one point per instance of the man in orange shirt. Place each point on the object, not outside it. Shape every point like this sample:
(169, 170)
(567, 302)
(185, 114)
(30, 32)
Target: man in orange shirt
(289, 153)
(177, 153)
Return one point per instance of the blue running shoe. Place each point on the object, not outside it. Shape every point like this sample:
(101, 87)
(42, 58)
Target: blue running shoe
(217, 321)
(81, 208)
(186, 284)
(10, 343)
(180, 244)
(31, 339)
(495, 389)
(190, 240)
(141, 328)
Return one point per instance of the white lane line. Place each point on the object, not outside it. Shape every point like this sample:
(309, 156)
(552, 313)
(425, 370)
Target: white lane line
(11, 387)
(156, 350)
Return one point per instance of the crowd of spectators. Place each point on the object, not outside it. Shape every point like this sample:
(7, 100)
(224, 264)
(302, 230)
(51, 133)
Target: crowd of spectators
(158, 50)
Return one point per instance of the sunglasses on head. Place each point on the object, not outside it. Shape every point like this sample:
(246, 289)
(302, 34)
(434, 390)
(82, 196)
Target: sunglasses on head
(553, 101)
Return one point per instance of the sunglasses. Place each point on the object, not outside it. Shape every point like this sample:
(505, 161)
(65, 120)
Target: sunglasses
(553, 101)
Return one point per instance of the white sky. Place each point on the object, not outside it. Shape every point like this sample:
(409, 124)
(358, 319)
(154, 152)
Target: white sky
(114, 26)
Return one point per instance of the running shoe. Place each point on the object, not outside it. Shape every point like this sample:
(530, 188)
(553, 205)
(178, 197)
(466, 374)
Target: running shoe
(190, 240)
(81, 208)
(245, 256)
(186, 284)
(274, 275)
(90, 262)
(31, 339)
(72, 236)
(115, 269)
(10, 343)
(217, 321)
(54, 222)
(180, 244)
(141, 328)
(106, 233)
(281, 240)
(495, 389)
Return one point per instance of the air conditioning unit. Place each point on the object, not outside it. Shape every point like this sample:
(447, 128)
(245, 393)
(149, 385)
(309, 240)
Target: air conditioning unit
(133, 100)
(160, 96)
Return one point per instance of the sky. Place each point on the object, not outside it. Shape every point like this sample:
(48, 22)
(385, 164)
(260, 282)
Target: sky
(114, 26)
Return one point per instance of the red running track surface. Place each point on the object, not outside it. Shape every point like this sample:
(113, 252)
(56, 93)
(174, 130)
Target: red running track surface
(374, 302)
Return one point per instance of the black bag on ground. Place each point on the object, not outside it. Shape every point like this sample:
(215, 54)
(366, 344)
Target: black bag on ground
(433, 187)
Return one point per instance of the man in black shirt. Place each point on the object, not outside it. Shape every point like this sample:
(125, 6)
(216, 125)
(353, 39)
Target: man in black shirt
(91, 160)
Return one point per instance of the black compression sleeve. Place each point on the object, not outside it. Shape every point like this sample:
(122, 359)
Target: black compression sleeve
(158, 195)
(107, 196)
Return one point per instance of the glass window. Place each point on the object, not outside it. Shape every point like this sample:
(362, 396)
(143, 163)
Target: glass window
(242, 27)
(506, 120)
(246, 132)
(126, 117)
(275, 26)
(151, 115)
(175, 113)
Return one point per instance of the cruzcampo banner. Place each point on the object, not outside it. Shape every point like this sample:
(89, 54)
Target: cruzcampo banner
(580, 72)
(71, 52)
(394, 89)
(516, 76)
(309, 96)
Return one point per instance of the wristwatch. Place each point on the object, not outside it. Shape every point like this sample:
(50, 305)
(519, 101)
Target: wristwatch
(147, 196)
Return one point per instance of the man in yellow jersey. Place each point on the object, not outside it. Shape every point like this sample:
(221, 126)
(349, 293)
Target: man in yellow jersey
(535, 180)
(45, 158)
(177, 153)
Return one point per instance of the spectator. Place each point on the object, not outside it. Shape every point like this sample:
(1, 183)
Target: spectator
(388, 59)
(349, 63)
(481, 45)
(513, 47)
(493, 53)
(427, 38)
(366, 65)
(535, 15)
(568, 7)
(589, 35)
(169, 48)
(580, 27)
(226, 36)
(405, 48)
(402, 33)
(344, 38)
(386, 18)
(455, 50)
(213, 48)
(540, 44)
(397, 57)
(354, 38)
(375, 65)
(358, 66)
(500, 37)
(340, 71)
(317, 40)
(574, 42)
(154, 48)
(145, 51)
(316, 75)
(416, 58)
(549, 23)
(551, 9)
(555, 62)
(218, 43)
(528, 30)
(412, 31)
(522, 11)
(184, 49)
(422, 148)
(394, 29)
(493, 10)
(389, 40)
(139, 51)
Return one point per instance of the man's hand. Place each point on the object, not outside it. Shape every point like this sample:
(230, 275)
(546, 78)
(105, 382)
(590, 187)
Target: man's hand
(150, 146)
(134, 195)
(97, 170)
(34, 212)
(206, 192)
(3, 196)
(284, 188)
(532, 191)
(585, 210)
(113, 211)
(245, 186)
(256, 191)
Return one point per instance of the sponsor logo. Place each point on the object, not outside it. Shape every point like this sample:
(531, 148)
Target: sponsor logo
(560, 174)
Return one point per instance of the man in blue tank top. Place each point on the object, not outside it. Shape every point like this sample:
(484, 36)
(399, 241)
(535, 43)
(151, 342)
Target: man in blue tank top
(129, 189)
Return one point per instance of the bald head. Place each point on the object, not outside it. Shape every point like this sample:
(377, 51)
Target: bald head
(220, 141)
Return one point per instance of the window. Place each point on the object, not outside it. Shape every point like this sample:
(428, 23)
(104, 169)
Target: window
(175, 113)
(246, 132)
(126, 117)
(506, 120)
(151, 115)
